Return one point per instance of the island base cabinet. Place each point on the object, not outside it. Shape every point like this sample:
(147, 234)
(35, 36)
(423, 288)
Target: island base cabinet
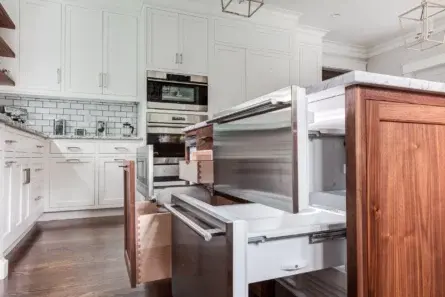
(72, 182)
(395, 187)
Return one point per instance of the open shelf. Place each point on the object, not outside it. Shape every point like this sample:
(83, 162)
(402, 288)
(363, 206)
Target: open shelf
(5, 80)
(5, 20)
(5, 50)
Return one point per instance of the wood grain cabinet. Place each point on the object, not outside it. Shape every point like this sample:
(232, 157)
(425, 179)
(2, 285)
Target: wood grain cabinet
(395, 189)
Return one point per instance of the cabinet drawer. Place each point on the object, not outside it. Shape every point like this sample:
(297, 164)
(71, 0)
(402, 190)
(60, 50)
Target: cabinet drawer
(291, 257)
(72, 148)
(200, 172)
(118, 148)
(37, 146)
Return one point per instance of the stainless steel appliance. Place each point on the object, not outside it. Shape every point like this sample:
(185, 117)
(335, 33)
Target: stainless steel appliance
(59, 127)
(177, 92)
(158, 162)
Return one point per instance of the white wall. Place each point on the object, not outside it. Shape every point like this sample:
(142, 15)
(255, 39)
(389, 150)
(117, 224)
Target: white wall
(391, 62)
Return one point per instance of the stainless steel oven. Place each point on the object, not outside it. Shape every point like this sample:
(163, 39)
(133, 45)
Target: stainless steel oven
(177, 92)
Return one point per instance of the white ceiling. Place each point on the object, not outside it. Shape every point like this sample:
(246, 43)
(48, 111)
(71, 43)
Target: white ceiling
(361, 22)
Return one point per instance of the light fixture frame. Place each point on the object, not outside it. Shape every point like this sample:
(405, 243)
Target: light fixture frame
(249, 13)
(424, 22)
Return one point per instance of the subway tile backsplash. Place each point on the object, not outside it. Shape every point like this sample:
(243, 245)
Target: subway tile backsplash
(78, 113)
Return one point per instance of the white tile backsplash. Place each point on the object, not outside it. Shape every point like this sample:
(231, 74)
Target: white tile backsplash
(78, 113)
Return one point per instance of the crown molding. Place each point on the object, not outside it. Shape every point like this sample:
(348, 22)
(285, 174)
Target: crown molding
(386, 46)
(346, 50)
(313, 31)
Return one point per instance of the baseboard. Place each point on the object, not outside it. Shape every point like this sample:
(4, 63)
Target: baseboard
(81, 223)
(3, 269)
(81, 214)
(21, 247)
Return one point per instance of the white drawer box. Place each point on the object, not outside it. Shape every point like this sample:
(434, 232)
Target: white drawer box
(287, 257)
(118, 147)
(199, 172)
(67, 147)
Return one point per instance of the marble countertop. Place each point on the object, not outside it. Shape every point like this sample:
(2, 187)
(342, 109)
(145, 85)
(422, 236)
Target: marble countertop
(94, 137)
(22, 127)
(374, 79)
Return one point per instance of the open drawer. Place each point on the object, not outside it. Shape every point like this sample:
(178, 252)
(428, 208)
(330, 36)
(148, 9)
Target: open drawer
(147, 236)
(199, 172)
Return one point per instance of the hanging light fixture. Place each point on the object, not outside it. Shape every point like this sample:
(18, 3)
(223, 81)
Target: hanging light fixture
(245, 8)
(421, 17)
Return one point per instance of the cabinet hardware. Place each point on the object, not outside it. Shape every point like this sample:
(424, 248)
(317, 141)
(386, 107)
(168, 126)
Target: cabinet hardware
(39, 146)
(290, 268)
(180, 59)
(119, 160)
(105, 80)
(101, 82)
(38, 198)
(59, 76)
(327, 236)
(123, 166)
(121, 148)
(10, 141)
(177, 59)
(9, 163)
(38, 169)
(73, 148)
(27, 172)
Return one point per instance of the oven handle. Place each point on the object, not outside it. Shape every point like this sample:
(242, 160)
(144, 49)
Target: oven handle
(192, 225)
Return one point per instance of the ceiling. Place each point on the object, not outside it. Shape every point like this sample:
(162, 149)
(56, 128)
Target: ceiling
(361, 22)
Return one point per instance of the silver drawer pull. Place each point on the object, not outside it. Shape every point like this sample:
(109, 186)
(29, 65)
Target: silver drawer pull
(38, 169)
(207, 235)
(38, 198)
(73, 148)
(10, 163)
(119, 160)
(290, 268)
(10, 141)
(118, 148)
(72, 161)
(39, 146)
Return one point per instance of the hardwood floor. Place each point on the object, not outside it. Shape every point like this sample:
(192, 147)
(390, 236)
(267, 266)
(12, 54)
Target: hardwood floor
(74, 262)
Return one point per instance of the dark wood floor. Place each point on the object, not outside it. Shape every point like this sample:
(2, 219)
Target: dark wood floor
(74, 262)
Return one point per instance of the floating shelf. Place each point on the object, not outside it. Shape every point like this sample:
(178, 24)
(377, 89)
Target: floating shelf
(5, 50)
(5, 20)
(5, 80)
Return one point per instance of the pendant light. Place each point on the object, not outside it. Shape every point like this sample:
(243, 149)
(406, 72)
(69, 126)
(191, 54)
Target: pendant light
(422, 19)
(244, 8)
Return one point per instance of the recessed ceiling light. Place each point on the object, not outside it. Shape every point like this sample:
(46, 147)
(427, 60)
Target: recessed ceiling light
(335, 15)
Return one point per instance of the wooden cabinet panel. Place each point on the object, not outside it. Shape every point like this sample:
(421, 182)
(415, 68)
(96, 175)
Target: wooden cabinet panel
(120, 54)
(40, 45)
(395, 186)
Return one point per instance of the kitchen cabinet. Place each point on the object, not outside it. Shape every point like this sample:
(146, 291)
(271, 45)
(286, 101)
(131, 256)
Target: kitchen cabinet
(40, 45)
(120, 55)
(177, 42)
(101, 52)
(310, 65)
(72, 182)
(111, 182)
(83, 50)
(260, 65)
(227, 78)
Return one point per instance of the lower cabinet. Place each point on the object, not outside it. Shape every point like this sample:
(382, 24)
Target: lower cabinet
(111, 181)
(72, 182)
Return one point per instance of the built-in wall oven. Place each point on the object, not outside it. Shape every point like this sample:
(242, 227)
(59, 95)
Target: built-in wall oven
(158, 162)
(177, 92)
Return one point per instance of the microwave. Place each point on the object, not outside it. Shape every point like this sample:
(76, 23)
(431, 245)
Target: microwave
(177, 92)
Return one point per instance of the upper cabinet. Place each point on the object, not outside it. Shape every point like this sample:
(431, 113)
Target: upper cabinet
(40, 45)
(83, 50)
(310, 64)
(121, 40)
(101, 52)
(177, 42)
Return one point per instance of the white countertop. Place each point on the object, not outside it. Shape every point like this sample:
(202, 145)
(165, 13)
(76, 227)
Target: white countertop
(374, 79)
(19, 126)
(94, 137)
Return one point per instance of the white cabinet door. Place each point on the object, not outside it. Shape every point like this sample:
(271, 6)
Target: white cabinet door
(37, 188)
(310, 61)
(120, 54)
(72, 182)
(266, 73)
(40, 45)
(162, 39)
(227, 78)
(83, 50)
(111, 181)
(193, 44)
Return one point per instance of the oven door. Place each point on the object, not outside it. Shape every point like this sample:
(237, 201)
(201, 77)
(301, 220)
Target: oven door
(177, 95)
